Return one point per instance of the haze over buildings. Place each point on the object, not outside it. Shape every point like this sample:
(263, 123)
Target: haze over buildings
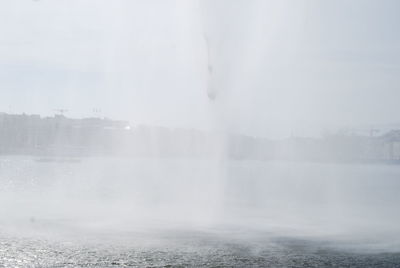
(199, 133)
(283, 66)
(61, 136)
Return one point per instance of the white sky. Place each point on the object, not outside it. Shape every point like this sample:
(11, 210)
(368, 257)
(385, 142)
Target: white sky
(280, 66)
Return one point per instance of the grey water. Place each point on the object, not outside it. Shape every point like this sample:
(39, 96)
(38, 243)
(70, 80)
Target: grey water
(121, 212)
(324, 73)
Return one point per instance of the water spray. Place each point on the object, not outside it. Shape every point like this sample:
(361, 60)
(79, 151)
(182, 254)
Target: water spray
(211, 91)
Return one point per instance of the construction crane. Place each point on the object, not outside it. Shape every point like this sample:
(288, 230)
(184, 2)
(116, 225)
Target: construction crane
(61, 111)
(372, 132)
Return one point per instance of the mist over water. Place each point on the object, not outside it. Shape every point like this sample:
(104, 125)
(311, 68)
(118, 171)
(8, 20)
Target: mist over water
(324, 201)
(258, 133)
(180, 212)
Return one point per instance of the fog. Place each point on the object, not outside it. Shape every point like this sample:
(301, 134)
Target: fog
(287, 65)
(231, 121)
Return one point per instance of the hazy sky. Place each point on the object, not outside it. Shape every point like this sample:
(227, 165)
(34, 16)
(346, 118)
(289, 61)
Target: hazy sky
(279, 66)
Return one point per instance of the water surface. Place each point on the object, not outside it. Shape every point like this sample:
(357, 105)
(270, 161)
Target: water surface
(192, 213)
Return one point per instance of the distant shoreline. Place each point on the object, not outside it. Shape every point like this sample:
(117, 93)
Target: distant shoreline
(60, 136)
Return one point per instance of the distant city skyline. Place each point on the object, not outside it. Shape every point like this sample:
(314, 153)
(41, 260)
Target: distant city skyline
(281, 66)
